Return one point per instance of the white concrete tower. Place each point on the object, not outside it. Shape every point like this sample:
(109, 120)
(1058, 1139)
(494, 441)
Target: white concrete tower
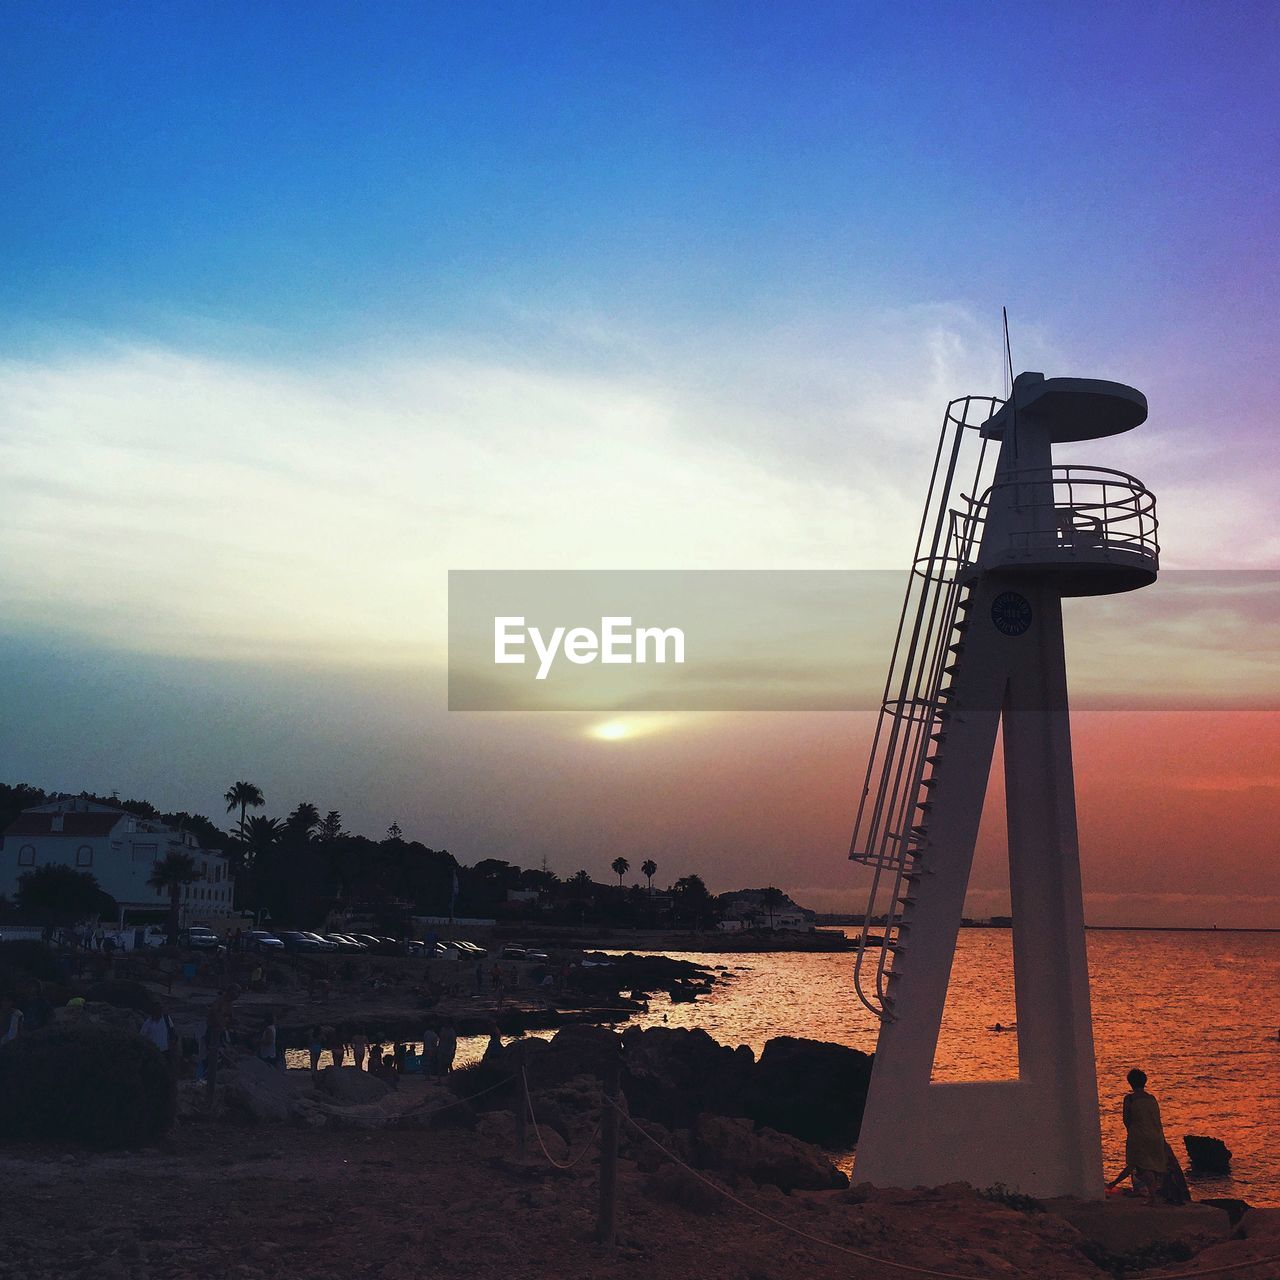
(980, 645)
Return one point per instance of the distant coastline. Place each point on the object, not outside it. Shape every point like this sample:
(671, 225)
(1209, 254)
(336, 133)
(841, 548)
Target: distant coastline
(852, 922)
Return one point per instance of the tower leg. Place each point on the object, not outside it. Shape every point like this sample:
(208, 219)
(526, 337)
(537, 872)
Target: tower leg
(1038, 1134)
(1051, 974)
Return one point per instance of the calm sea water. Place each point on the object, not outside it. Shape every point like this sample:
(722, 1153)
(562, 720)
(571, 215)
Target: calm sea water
(1199, 1012)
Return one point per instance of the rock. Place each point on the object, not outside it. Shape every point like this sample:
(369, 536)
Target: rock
(734, 1148)
(260, 1091)
(680, 1187)
(498, 1127)
(674, 1074)
(649, 1157)
(575, 1050)
(811, 1089)
(1234, 1209)
(1123, 1226)
(1208, 1155)
(349, 1086)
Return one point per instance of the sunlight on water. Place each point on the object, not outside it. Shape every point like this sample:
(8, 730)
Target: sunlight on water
(1199, 1012)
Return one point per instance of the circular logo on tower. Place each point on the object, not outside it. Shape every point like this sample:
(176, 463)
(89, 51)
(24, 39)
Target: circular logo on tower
(1011, 613)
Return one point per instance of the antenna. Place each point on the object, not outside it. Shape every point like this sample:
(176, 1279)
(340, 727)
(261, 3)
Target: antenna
(1009, 396)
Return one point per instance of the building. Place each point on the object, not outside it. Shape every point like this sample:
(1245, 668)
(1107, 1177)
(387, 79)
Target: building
(121, 850)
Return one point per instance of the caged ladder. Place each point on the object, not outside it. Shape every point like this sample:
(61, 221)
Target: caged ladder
(891, 832)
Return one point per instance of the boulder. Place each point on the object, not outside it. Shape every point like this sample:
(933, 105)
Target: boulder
(811, 1089)
(575, 1050)
(349, 1086)
(260, 1091)
(1208, 1155)
(1122, 1226)
(674, 1074)
(734, 1148)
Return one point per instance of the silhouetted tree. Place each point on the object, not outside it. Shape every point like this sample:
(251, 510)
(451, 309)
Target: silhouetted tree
(299, 825)
(58, 894)
(692, 899)
(649, 869)
(394, 832)
(772, 901)
(243, 796)
(169, 875)
(330, 828)
(620, 868)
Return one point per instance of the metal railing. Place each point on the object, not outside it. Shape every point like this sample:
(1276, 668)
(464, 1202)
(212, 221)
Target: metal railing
(1061, 515)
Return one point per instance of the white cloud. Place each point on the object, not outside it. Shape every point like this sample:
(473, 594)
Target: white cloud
(186, 503)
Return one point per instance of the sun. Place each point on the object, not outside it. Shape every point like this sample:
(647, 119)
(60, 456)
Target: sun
(610, 731)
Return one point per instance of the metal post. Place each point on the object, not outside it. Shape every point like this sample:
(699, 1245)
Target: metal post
(609, 1151)
(522, 1106)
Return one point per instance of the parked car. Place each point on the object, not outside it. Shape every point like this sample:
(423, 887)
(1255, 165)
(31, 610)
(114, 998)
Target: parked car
(199, 938)
(379, 946)
(262, 940)
(512, 952)
(472, 949)
(346, 943)
(296, 940)
(537, 957)
(323, 944)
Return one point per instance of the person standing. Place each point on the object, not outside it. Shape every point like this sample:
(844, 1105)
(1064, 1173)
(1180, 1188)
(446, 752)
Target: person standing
(447, 1048)
(338, 1045)
(430, 1051)
(1145, 1150)
(359, 1047)
(10, 1020)
(159, 1029)
(217, 1027)
(315, 1046)
(267, 1041)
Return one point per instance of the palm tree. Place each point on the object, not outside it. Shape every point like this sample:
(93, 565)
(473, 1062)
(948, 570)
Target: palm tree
(261, 836)
(772, 899)
(299, 825)
(170, 875)
(649, 869)
(620, 868)
(243, 795)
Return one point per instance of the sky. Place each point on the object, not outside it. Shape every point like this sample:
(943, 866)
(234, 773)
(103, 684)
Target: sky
(304, 305)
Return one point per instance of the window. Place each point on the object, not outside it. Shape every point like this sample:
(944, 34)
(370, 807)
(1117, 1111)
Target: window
(84, 856)
(27, 856)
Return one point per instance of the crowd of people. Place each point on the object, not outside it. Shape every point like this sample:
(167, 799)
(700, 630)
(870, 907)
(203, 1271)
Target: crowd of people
(386, 1058)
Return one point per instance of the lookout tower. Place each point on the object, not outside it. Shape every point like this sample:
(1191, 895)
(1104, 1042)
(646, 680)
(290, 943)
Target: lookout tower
(980, 645)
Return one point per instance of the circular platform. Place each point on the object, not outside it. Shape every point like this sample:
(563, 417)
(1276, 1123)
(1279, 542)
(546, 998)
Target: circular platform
(1071, 408)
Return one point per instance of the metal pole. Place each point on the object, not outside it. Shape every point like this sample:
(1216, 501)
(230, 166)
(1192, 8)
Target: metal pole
(522, 1107)
(609, 1152)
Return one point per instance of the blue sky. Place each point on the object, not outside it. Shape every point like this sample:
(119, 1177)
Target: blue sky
(330, 172)
(303, 305)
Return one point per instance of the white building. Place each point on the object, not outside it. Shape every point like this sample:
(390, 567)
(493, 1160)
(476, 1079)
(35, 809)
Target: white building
(120, 849)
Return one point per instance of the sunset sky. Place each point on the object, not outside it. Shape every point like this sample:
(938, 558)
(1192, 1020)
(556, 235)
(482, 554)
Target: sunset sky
(305, 305)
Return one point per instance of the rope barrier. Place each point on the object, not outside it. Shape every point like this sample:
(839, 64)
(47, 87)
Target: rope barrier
(471, 1097)
(911, 1268)
(537, 1133)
